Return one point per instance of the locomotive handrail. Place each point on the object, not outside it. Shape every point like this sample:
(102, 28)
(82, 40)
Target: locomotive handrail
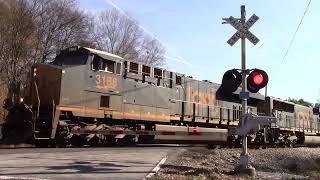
(38, 109)
(197, 103)
(53, 109)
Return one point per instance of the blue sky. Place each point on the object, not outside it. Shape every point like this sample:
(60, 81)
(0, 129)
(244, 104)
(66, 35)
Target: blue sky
(196, 40)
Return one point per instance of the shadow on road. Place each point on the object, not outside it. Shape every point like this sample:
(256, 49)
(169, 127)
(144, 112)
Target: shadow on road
(79, 167)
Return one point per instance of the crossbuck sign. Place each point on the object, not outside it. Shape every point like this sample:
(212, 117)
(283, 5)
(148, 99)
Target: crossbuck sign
(243, 29)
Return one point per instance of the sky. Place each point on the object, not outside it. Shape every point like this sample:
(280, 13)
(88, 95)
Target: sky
(196, 40)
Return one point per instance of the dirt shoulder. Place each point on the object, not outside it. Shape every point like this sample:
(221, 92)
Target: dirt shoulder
(278, 163)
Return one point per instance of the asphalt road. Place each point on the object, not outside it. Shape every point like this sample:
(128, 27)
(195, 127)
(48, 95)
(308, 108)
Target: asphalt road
(81, 163)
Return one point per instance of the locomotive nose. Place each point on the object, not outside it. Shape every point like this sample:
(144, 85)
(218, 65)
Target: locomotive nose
(44, 85)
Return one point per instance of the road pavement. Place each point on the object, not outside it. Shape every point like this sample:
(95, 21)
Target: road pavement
(82, 163)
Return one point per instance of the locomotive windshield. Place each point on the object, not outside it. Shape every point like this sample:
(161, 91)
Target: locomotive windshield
(71, 58)
(102, 64)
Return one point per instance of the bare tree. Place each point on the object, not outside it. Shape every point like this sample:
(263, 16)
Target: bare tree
(33, 31)
(121, 35)
(151, 51)
(16, 38)
(117, 34)
(59, 24)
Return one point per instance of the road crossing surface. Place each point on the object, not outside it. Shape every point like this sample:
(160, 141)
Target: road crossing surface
(82, 163)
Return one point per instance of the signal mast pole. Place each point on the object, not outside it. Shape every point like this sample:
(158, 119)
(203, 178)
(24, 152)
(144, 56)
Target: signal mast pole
(243, 33)
(257, 80)
(244, 158)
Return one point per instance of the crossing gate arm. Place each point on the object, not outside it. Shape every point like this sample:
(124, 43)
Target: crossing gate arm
(150, 133)
(191, 133)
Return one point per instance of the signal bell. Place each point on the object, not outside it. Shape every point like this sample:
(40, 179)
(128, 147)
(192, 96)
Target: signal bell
(230, 82)
(256, 80)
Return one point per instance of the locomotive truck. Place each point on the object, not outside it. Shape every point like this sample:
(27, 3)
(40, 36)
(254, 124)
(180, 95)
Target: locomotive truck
(85, 92)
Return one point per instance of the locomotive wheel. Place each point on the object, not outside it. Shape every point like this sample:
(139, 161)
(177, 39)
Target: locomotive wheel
(145, 139)
(128, 140)
(77, 141)
(94, 141)
(292, 144)
(61, 139)
(109, 141)
(42, 143)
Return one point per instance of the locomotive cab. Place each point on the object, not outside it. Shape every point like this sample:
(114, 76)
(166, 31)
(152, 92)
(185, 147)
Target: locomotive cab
(68, 84)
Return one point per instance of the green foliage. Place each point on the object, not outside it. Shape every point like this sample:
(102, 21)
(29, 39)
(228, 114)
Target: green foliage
(300, 101)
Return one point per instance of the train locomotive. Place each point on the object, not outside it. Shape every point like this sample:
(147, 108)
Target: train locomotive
(89, 89)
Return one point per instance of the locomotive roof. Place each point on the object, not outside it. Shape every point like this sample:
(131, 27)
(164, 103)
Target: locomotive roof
(107, 55)
(288, 102)
(103, 54)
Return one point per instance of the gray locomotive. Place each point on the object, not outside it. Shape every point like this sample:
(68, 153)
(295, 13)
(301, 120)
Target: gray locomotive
(85, 88)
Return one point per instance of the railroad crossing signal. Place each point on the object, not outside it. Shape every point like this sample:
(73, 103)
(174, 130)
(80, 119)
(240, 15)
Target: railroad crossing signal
(243, 29)
(232, 79)
(256, 80)
(242, 26)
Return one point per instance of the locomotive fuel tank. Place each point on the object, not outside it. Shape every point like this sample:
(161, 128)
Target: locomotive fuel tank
(311, 140)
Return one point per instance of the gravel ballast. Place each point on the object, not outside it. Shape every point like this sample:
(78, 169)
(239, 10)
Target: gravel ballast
(274, 163)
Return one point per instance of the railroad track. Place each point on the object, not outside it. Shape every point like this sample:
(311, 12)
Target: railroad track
(159, 144)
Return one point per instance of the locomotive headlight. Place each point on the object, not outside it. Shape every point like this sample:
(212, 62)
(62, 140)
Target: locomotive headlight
(21, 99)
(34, 71)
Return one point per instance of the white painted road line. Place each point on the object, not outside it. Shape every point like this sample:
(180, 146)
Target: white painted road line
(20, 178)
(156, 169)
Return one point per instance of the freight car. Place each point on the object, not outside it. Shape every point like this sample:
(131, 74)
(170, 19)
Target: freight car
(93, 90)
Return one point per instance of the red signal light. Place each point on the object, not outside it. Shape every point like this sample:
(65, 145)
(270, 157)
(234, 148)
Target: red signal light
(257, 78)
